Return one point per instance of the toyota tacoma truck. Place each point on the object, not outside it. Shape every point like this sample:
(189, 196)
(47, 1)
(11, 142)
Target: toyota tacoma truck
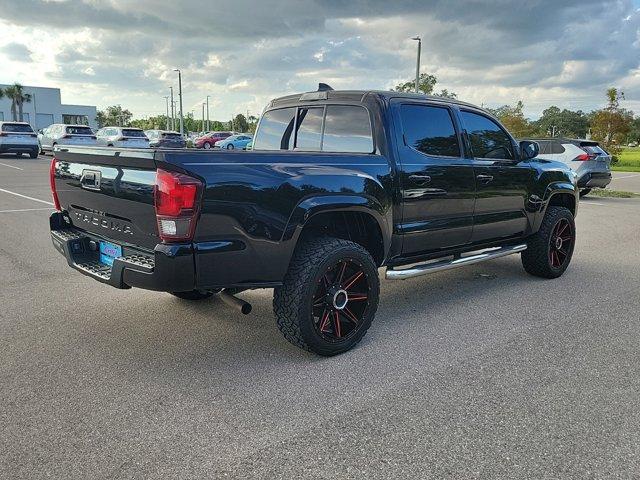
(338, 185)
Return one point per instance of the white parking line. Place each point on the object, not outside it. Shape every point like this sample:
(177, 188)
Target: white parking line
(26, 210)
(589, 202)
(24, 196)
(626, 176)
(11, 166)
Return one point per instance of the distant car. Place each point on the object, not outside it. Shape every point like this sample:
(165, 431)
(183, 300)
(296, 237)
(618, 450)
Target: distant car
(59, 134)
(633, 144)
(208, 140)
(239, 142)
(125, 137)
(585, 157)
(165, 139)
(18, 138)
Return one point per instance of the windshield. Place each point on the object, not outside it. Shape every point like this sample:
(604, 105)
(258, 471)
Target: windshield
(172, 136)
(17, 128)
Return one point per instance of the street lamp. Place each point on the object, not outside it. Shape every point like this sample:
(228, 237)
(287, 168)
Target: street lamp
(208, 127)
(173, 111)
(166, 97)
(203, 132)
(417, 37)
(180, 96)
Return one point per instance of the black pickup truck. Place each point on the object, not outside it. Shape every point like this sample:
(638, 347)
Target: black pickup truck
(339, 184)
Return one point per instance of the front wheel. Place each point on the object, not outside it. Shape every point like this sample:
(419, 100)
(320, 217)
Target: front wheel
(206, 145)
(329, 296)
(230, 146)
(584, 192)
(549, 251)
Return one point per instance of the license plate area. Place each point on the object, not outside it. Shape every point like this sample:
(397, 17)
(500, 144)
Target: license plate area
(109, 252)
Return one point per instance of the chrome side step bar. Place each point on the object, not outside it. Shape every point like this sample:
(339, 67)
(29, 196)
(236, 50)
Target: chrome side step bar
(425, 268)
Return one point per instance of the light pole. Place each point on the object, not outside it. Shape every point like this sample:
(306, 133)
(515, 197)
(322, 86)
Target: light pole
(180, 97)
(417, 37)
(166, 97)
(208, 127)
(173, 116)
(203, 132)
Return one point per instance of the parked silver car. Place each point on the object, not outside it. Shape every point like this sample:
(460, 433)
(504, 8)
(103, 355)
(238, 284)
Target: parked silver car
(126, 137)
(18, 138)
(586, 158)
(60, 134)
(165, 139)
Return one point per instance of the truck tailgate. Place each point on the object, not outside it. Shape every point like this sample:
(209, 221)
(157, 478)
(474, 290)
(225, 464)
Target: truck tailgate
(109, 193)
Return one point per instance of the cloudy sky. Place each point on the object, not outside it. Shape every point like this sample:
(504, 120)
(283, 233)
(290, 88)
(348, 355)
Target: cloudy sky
(243, 53)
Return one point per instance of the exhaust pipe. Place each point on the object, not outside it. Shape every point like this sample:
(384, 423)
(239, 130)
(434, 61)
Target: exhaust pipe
(244, 307)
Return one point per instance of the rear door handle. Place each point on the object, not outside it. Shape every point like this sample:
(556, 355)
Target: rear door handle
(420, 179)
(484, 178)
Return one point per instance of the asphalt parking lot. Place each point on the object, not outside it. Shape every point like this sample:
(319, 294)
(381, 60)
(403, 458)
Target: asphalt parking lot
(481, 372)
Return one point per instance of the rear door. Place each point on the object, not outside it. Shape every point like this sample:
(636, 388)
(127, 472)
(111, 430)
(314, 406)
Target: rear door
(502, 179)
(109, 193)
(437, 181)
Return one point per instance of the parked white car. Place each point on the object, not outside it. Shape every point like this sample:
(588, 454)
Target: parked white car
(124, 137)
(18, 138)
(60, 134)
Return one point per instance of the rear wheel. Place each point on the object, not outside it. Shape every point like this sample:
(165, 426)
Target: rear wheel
(33, 155)
(549, 251)
(584, 192)
(206, 145)
(329, 296)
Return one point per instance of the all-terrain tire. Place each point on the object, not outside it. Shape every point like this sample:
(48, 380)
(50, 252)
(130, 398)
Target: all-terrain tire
(538, 258)
(584, 192)
(293, 301)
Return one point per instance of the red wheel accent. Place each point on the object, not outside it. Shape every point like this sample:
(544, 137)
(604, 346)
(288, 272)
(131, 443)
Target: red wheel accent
(341, 300)
(560, 243)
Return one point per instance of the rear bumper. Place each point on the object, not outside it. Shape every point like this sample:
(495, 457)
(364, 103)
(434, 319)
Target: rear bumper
(168, 268)
(594, 179)
(19, 148)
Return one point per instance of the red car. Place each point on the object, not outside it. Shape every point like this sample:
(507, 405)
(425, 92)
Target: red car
(208, 141)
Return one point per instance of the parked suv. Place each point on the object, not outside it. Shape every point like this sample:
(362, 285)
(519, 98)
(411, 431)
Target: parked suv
(165, 139)
(585, 157)
(209, 140)
(122, 137)
(60, 134)
(18, 138)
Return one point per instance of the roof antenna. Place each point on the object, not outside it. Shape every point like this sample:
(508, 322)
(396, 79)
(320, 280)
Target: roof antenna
(323, 87)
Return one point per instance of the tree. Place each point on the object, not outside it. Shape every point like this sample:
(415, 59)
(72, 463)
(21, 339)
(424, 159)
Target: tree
(114, 115)
(426, 84)
(634, 133)
(566, 123)
(16, 93)
(240, 123)
(611, 125)
(514, 120)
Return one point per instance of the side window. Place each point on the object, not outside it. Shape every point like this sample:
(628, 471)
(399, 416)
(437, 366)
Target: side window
(487, 139)
(276, 127)
(429, 130)
(309, 128)
(556, 147)
(347, 129)
(544, 146)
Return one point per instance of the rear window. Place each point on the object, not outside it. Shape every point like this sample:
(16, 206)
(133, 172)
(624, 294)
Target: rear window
(430, 130)
(275, 130)
(79, 131)
(172, 136)
(347, 129)
(128, 132)
(309, 128)
(594, 149)
(16, 128)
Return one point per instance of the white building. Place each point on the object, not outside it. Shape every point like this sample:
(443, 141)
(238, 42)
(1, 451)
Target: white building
(46, 108)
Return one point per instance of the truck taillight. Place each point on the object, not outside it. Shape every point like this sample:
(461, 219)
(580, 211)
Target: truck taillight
(52, 181)
(177, 199)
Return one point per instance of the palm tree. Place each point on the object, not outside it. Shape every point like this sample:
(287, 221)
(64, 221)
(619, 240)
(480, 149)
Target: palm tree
(16, 93)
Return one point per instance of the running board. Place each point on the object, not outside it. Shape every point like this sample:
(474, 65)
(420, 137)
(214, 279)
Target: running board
(425, 268)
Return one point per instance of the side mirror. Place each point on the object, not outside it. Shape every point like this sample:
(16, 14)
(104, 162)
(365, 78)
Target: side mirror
(529, 149)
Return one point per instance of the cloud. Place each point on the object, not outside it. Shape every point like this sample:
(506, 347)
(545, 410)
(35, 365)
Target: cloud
(244, 52)
(17, 52)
